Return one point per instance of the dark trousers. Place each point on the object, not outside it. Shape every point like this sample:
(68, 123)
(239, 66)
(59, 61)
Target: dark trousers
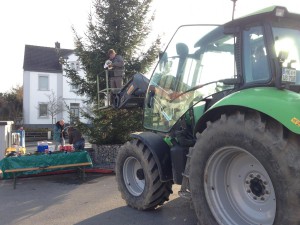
(116, 82)
(79, 145)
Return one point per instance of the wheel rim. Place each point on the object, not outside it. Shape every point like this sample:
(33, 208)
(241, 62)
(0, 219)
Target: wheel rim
(238, 189)
(133, 176)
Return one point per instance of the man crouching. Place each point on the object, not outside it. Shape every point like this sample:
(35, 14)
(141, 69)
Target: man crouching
(75, 138)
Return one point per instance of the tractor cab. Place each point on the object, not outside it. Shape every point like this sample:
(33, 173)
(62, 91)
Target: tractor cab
(204, 63)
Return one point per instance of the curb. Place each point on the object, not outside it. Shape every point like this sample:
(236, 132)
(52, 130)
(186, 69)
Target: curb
(91, 170)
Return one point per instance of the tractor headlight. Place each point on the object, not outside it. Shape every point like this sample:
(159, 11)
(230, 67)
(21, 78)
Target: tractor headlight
(280, 12)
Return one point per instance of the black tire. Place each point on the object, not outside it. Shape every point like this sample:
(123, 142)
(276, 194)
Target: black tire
(245, 170)
(138, 178)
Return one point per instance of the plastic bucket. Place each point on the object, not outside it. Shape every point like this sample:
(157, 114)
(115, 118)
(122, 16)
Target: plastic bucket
(42, 148)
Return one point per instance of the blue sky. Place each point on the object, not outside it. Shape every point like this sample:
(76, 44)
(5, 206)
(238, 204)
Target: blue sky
(43, 22)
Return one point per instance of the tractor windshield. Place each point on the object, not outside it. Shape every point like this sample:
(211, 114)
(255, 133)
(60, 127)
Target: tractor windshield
(196, 56)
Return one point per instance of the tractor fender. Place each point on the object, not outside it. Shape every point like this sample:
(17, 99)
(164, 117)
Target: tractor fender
(281, 105)
(160, 150)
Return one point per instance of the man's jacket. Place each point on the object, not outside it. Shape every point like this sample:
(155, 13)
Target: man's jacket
(118, 66)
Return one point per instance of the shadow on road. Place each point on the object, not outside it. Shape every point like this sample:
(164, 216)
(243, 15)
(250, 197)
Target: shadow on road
(74, 178)
(65, 199)
(174, 212)
(36, 194)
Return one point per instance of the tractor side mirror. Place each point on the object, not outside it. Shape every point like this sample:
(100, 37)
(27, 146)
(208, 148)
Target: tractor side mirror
(287, 75)
(182, 50)
(151, 94)
(282, 56)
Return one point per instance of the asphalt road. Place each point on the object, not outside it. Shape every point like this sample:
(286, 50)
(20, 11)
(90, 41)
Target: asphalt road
(66, 199)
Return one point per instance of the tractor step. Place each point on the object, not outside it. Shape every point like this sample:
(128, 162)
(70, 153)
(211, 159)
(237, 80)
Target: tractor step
(185, 194)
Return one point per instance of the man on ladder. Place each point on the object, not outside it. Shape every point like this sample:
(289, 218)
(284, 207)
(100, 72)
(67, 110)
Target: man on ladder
(116, 72)
(115, 66)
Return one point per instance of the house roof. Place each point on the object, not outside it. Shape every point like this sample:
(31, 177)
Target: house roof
(43, 59)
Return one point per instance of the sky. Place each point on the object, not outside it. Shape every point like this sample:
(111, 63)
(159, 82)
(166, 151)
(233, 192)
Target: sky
(44, 22)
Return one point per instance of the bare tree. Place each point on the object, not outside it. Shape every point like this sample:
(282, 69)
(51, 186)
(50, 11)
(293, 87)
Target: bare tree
(55, 105)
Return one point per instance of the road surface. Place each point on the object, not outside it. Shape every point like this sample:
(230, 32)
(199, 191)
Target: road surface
(66, 199)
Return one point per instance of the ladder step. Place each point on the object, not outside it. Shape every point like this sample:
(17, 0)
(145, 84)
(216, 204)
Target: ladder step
(186, 175)
(185, 194)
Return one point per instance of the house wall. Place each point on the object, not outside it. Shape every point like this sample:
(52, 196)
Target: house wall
(32, 96)
(26, 96)
(69, 95)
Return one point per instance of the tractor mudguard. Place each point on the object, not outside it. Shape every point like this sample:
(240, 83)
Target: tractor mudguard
(282, 105)
(160, 151)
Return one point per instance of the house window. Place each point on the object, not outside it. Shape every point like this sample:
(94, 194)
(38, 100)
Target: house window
(75, 65)
(74, 112)
(43, 83)
(43, 110)
(74, 87)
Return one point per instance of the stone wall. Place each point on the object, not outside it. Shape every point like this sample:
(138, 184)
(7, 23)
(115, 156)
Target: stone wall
(104, 156)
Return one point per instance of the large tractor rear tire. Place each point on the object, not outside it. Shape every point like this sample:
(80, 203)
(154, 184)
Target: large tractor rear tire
(245, 170)
(138, 178)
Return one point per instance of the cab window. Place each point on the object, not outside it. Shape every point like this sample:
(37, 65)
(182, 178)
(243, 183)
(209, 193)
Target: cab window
(255, 60)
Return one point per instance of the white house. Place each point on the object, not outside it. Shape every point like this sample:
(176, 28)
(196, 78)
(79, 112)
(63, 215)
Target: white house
(43, 77)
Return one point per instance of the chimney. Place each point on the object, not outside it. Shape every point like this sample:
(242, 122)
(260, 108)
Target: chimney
(57, 45)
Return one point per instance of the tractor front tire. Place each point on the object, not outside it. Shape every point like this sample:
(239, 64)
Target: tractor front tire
(245, 169)
(138, 178)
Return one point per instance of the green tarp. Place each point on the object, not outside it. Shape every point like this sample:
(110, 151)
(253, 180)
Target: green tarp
(42, 161)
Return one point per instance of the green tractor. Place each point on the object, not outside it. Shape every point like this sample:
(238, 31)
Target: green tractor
(222, 114)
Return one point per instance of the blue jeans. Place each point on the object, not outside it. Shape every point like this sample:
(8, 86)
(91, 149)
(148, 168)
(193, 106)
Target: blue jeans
(79, 145)
(61, 142)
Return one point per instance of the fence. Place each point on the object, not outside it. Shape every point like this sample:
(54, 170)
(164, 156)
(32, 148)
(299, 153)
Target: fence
(37, 136)
(104, 156)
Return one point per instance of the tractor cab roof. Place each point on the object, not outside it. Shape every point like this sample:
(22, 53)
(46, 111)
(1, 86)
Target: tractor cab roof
(269, 13)
(234, 25)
